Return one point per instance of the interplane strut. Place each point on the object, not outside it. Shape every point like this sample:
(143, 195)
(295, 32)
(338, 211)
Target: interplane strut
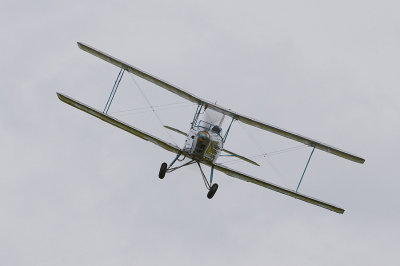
(203, 105)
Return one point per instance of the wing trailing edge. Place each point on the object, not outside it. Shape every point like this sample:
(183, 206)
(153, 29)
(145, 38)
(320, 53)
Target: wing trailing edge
(288, 192)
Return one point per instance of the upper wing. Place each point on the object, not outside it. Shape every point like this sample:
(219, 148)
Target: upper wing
(277, 188)
(111, 120)
(140, 73)
(245, 119)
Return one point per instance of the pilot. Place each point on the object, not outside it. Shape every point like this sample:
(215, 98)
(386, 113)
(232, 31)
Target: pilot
(216, 129)
(203, 136)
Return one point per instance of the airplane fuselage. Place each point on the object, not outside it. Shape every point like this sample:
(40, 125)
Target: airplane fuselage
(204, 142)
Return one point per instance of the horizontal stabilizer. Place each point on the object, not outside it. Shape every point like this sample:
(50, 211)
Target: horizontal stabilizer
(176, 130)
(242, 118)
(113, 121)
(241, 157)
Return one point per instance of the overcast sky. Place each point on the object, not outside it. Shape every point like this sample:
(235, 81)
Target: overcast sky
(77, 191)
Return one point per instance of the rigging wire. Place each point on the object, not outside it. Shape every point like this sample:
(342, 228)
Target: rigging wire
(142, 110)
(154, 106)
(264, 154)
(152, 109)
(272, 153)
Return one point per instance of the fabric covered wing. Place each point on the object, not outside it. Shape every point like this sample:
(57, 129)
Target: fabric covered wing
(140, 73)
(310, 142)
(277, 188)
(244, 119)
(113, 121)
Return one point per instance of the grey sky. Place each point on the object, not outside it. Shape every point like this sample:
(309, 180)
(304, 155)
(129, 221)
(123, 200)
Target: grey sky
(76, 191)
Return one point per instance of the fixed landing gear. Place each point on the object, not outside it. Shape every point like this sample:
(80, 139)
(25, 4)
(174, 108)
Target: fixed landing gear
(212, 191)
(163, 170)
(212, 188)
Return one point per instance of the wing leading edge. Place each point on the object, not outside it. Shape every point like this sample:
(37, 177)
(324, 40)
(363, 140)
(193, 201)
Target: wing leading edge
(115, 122)
(288, 192)
(244, 119)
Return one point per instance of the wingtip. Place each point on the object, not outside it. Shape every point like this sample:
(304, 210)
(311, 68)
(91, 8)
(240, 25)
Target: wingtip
(339, 211)
(60, 96)
(81, 45)
(359, 160)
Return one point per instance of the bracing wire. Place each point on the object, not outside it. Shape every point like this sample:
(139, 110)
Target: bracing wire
(154, 106)
(152, 109)
(269, 154)
(264, 154)
(142, 110)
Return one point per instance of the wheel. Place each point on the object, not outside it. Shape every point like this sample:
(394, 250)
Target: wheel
(163, 170)
(212, 191)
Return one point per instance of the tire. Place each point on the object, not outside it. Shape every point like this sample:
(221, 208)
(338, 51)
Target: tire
(163, 170)
(212, 191)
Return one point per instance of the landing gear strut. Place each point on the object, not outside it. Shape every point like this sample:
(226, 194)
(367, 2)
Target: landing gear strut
(168, 169)
(212, 188)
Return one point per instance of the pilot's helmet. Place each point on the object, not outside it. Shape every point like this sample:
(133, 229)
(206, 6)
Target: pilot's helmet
(216, 129)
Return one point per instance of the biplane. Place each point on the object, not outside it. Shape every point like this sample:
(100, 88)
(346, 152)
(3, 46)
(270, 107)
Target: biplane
(205, 139)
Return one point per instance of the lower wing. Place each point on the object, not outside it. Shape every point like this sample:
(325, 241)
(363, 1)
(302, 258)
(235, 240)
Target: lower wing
(274, 187)
(172, 148)
(113, 121)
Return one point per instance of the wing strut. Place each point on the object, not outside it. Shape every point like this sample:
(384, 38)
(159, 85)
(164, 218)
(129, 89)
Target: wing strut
(309, 158)
(114, 90)
(197, 114)
(207, 104)
(115, 122)
(266, 184)
(229, 128)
